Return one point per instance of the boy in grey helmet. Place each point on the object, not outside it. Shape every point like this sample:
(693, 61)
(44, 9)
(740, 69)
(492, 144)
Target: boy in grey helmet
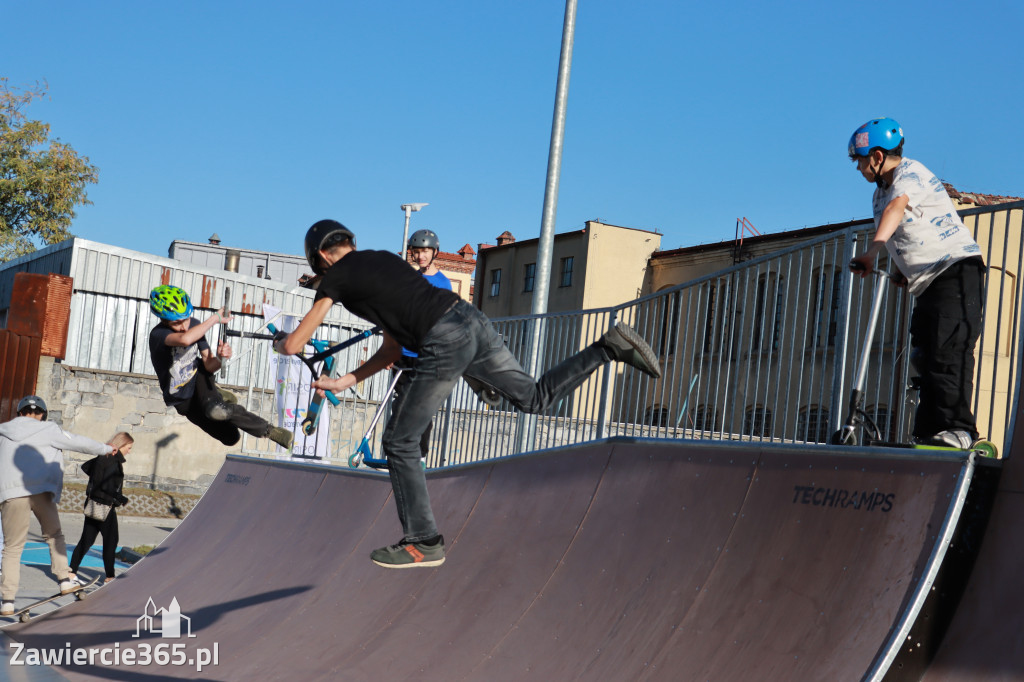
(31, 481)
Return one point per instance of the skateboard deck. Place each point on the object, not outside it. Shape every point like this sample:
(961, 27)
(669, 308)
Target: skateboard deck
(25, 614)
(981, 447)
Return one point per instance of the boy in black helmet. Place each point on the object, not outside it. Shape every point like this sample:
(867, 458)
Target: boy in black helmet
(452, 339)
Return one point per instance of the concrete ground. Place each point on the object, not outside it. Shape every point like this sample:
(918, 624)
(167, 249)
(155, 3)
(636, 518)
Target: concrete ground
(38, 583)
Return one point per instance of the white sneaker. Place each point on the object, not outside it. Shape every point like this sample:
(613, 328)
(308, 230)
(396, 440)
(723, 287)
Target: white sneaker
(69, 585)
(953, 438)
(7, 608)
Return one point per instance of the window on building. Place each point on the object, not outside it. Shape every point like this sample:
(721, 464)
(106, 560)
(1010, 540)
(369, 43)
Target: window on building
(566, 280)
(812, 425)
(887, 422)
(529, 276)
(768, 314)
(757, 422)
(826, 296)
(670, 323)
(656, 416)
(705, 418)
(495, 283)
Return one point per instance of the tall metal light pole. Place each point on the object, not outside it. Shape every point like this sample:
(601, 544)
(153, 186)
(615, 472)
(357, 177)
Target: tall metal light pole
(527, 424)
(409, 210)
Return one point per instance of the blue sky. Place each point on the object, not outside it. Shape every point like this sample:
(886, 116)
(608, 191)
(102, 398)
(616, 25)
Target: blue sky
(255, 119)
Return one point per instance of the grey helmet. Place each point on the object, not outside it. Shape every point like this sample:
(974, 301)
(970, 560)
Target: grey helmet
(32, 401)
(424, 239)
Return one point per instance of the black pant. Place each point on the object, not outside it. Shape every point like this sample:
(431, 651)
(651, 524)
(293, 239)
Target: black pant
(206, 399)
(108, 528)
(944, 329)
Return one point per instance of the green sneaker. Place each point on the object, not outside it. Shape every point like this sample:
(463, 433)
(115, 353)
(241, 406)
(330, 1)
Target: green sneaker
(410, 554)
(282, 437)
(227, 396)
(625, 345)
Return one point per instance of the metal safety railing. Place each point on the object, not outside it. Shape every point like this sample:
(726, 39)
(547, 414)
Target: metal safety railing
(764, 351)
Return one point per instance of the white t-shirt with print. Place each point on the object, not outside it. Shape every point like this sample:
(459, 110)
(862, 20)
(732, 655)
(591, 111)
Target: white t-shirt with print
(931, 236)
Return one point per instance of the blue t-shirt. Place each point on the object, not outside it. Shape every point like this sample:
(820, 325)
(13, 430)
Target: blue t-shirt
(441, 281)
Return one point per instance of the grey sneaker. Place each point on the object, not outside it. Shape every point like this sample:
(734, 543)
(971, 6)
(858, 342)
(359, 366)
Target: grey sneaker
(625, 345)
(410, 554)
(282, 437)
(953, 438)
(7, 608)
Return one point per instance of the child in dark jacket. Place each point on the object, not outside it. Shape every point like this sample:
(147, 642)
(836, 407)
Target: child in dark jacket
(106, 477)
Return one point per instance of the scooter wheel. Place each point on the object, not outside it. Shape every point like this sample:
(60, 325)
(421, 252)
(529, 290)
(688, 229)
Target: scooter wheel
(985, 448)
(838, 439)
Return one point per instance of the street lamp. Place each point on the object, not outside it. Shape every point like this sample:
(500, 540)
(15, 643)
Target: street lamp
(409, 210)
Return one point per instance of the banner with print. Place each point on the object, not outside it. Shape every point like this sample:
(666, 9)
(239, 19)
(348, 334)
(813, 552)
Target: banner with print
(293, 392)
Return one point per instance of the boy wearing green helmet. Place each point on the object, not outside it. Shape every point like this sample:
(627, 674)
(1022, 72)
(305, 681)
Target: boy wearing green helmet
(185, 366)
(941, 264)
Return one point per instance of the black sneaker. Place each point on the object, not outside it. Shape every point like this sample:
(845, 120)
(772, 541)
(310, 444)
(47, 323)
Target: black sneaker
(410, 554)
(625, 345)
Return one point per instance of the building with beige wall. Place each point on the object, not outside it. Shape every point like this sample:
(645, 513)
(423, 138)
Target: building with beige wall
(596, 267)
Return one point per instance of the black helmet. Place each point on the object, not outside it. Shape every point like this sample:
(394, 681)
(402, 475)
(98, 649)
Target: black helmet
(32, 401)
(319, 235)
(424, 239)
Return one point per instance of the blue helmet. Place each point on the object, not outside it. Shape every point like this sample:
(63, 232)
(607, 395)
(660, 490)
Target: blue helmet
(884, 133)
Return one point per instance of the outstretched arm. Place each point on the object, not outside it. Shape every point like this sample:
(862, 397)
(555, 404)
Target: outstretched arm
(293, 343)
(389, 353)
(193, 334)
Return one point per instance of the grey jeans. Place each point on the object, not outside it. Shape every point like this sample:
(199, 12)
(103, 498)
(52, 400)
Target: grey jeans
(463, 342)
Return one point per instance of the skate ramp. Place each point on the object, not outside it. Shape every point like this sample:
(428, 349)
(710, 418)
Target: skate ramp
(611, 561)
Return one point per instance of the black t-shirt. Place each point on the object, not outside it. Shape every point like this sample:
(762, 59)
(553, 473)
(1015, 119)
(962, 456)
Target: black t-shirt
(175, 366)
(380, 287)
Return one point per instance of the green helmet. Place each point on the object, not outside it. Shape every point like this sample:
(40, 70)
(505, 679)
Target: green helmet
(170, 303)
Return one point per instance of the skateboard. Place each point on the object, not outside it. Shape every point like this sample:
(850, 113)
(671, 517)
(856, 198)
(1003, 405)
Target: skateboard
(981, 447)
(25, 614)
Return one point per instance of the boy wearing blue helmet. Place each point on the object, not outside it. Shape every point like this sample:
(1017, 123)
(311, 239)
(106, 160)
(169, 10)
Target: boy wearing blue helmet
(185, 366)
(915, 220)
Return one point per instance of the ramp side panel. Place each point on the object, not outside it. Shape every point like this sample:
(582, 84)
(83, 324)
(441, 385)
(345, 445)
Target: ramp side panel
(985, 642)
(658, 523)
(823, 560)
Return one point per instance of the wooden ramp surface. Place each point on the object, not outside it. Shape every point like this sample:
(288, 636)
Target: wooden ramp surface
(620, 560)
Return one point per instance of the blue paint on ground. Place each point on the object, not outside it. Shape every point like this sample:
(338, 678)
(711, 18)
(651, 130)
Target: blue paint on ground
(38, 554)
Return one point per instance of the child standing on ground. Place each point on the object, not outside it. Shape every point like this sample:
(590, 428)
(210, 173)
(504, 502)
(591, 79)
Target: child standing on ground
(915, 220)
(185, 367)
(106, 478)
(452, 339)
